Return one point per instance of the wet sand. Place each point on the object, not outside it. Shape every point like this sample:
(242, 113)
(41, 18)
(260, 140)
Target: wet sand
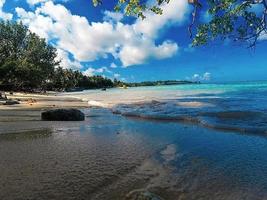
(26, 116)
(110, 157)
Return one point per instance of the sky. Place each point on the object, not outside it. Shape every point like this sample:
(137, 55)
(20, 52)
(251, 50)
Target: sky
(100, 41)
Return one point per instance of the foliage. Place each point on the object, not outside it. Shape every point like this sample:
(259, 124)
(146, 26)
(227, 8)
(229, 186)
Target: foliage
(136, 7)
(233, 19)
(28, 63)
(67, 79)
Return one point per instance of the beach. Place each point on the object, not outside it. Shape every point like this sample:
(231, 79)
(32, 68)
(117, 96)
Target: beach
(26, 116)
(136, 143)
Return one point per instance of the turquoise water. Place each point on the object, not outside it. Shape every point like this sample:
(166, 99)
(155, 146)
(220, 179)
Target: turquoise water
(233, 106)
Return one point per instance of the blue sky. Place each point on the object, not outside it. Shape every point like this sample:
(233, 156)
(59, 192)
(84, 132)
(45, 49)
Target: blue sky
(99, 41)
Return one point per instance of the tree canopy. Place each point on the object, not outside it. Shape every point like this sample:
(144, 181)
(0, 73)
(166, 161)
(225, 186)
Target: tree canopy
(28, 63)
(232, 19)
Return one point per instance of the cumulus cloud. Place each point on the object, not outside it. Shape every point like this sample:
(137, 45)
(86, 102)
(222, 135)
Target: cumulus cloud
(89, 72)
(4, 15)
(66, 62)
(86, 41)
(263, 36)
(117, 75)
(113, 65)
(93, 71)
(173, 13)
(132, 54)
(204, 77)
(34, 2)
(112, 16)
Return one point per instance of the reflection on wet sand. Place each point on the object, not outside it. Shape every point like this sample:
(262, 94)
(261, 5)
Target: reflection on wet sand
(29, 135)
(147, 159)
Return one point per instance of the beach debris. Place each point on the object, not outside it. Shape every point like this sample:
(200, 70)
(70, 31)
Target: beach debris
(142, 195)
(11, 102)
(63, 115)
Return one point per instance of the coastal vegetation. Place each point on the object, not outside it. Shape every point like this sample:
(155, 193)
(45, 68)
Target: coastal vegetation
(28, 63)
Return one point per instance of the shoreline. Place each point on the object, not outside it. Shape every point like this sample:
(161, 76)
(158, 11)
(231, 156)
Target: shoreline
(31, 101)
(26, 116)
(16, 118)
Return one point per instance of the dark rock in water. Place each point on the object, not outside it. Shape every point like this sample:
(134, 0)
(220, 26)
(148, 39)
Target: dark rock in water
(63, 115)
(142, 195)
(11, 102)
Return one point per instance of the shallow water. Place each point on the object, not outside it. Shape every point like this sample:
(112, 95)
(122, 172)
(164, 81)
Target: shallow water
(238, 107)
(113, 157)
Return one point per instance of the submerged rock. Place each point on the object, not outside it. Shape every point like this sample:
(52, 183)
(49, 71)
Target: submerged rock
(142, 195)
(63, 115)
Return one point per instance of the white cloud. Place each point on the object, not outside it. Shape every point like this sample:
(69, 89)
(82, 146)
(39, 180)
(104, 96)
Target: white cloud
(113, 65)
(102, 70)
(263, 36)
(197, 77)
(206, 76)
(64, 57)
(35, 2)
(112, 16)
(173, 13)
(92, 71)
(4, 15)
(117, 76)
(134, 55)
(88, 41)
(89, 72)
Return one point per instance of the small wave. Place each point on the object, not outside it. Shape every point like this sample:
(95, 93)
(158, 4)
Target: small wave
(202, 113)
(97, 104)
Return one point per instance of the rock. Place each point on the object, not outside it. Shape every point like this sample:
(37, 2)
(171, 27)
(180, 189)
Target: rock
(142, 195)
(11, 102)
(63, 115)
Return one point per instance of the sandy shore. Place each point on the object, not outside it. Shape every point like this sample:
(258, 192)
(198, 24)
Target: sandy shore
(27, 115)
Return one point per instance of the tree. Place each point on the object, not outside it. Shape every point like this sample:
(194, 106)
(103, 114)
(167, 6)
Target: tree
(26, 61)
(232, 19)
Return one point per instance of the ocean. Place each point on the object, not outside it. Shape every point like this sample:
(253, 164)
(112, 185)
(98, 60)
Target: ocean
(233, 106)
